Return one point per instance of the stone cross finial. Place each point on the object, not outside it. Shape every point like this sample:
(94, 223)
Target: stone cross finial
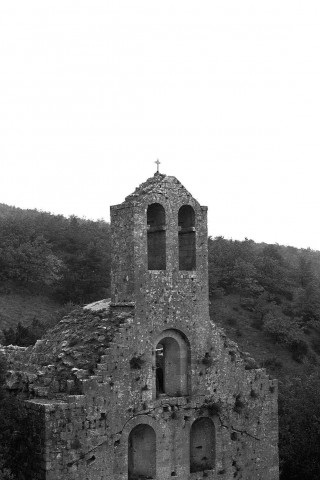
(158, 163)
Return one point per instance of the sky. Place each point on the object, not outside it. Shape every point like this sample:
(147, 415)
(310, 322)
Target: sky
(226, 94)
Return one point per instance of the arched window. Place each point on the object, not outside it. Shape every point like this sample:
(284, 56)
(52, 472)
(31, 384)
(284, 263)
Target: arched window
(156, 221)
(187, 238)
(172, 364)
(142, 453)
(202, 445)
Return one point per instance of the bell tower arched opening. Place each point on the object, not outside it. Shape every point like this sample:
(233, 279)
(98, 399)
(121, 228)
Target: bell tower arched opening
(142, 452)
(156, 233)
(187, 238)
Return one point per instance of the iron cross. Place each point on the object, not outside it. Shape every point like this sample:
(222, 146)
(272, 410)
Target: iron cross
(158, 163)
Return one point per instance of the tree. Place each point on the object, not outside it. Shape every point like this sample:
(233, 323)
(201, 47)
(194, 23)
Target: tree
(244, 278)
(31, 261)
(24, 335)
(70, 255)
(299, 442)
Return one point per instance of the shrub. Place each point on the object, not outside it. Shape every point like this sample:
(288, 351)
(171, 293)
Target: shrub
(5, 473)
(233, 355)
(272, 362)
(207, 360)
(217, 293)
(232, 321)
(299, 434)
(212, 408)
(24, 335)
(74, 341)
(249, 362)
(316, 345)
(257, 323)
(312, 358)
(298, 348)
(136, 363)
(253, 394)
(247, 304)
(238, 404)
(287, 332)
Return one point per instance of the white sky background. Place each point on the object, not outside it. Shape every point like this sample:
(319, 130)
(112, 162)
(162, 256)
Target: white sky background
(225, 93)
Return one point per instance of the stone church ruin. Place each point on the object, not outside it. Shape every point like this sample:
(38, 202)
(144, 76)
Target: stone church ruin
(145, 386)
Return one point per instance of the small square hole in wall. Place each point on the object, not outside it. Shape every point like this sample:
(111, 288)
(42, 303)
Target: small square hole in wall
(173, 474)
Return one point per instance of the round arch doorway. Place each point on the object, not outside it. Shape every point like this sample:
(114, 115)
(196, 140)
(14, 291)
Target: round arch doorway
(172, 364)
(142, 453)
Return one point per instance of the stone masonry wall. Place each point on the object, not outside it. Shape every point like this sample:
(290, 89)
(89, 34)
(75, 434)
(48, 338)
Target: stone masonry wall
(87, 435)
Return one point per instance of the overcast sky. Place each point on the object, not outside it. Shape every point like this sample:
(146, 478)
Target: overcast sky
(225, 93)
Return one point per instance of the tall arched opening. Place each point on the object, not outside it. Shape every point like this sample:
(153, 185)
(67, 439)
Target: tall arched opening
(142, 452)
(187, 238)
(172, 362)
(156, 233)
(202, 445)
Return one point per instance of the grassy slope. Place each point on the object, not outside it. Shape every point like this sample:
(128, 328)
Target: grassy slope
(237, 323)
(20, 306)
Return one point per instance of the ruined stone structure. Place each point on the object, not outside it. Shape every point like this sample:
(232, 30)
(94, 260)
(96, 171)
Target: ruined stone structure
(146, 386)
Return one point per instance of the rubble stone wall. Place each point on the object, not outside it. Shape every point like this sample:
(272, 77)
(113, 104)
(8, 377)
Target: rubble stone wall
(87, 435)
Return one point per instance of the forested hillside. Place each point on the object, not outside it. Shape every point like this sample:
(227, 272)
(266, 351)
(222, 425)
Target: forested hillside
(68, 257)
(269, 288)
(59, 260)
(267, 297)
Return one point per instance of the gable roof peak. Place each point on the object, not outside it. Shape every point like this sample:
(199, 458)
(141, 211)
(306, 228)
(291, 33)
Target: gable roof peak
(152, 185)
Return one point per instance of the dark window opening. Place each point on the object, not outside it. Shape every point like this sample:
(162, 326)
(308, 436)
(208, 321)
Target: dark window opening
(202, 445)
(142, 453)
(159, 369)
(187, 238)
(156, 222)
(169, 371)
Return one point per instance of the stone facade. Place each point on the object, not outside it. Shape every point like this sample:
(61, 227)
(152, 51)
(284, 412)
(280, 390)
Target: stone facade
(146, 386)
